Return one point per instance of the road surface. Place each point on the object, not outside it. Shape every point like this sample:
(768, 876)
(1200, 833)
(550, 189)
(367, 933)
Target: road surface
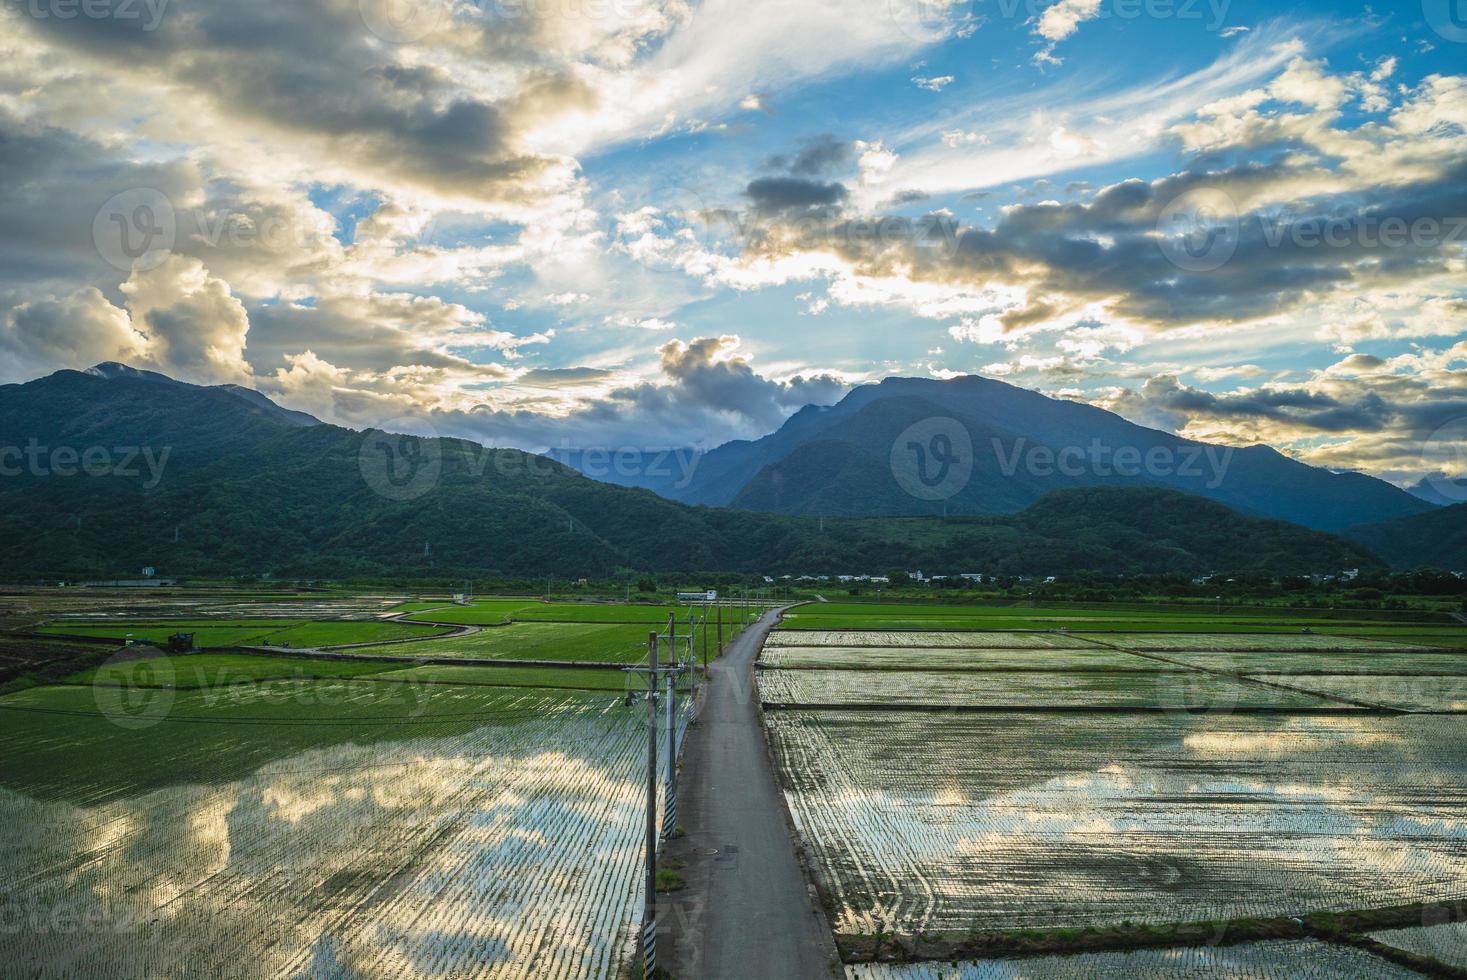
(747, 910)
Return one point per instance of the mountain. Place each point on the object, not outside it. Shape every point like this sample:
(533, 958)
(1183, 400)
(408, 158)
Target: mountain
(1437, 539)
(109, 470)
(1440, 490)
(839, 460)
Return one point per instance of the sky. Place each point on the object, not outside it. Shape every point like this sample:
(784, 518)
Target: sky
(650, 223)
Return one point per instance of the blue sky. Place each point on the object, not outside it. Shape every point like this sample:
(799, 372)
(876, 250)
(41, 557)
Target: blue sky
(651, 222)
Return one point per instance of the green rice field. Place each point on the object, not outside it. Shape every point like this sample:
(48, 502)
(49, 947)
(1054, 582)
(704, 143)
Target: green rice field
(612, 643)
(494, 612)
(247, 632)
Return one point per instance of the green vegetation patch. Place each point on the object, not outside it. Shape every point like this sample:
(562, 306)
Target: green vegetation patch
(494, 612)
(572, 642)
(199, 670)
(495, 675)
(248, 632)
(92, 744)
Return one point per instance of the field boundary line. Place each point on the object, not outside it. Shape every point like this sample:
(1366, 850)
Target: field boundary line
(322, 653)
(1149, 655)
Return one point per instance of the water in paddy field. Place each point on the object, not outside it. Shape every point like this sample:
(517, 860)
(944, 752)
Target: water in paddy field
(946, 822)
(485, 835)
(1289, 960)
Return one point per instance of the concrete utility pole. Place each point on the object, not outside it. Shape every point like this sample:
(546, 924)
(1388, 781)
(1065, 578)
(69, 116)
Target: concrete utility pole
(705, 636)
(719, 610)
(649, 901)
(669, 804)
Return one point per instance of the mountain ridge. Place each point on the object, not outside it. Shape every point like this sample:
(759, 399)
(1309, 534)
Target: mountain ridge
(1256, 480)
(241, 487)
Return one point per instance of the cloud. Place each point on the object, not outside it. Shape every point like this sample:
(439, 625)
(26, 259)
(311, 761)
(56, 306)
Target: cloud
(1065, 125)
(933, 84)
(707, 391)
(1060, 21)
(195, 326)
(74, 331)
(1363, 412)
(1363, 232)
(818, 156)
(773, 194)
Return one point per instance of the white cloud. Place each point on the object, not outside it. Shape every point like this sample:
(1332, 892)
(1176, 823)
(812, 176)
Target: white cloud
(933, 84)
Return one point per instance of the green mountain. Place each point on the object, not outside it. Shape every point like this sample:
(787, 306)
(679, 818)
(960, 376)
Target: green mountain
(838, 460)
(1433, 540)
(111, 470)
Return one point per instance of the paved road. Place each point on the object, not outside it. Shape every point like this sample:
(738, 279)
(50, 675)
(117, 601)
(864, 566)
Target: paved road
(748, 910)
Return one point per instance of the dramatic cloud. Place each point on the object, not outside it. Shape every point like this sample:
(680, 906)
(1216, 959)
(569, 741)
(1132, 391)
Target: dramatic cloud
(547, 223)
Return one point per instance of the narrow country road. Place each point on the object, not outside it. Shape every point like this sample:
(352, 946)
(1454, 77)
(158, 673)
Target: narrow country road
(747, 910)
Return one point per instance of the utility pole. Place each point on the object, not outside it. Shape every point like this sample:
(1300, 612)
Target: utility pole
(669, 804)
(719, 610)
(649, 900)
(705, 636)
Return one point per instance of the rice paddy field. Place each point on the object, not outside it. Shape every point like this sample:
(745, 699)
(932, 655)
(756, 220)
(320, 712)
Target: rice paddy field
(610, 643)
(320, 828)
(495, 612)
(1435, 663)
(1411, 692)
(896, 616)
(1026, 820)
(1445, 942)
(245, 632)
(1162, 690)
(1284, 960)
(952, 658)
(1014, 640)
(1087, 771)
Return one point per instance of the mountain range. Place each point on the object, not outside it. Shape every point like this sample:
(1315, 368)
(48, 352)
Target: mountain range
(844, 461)
(113, 469)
